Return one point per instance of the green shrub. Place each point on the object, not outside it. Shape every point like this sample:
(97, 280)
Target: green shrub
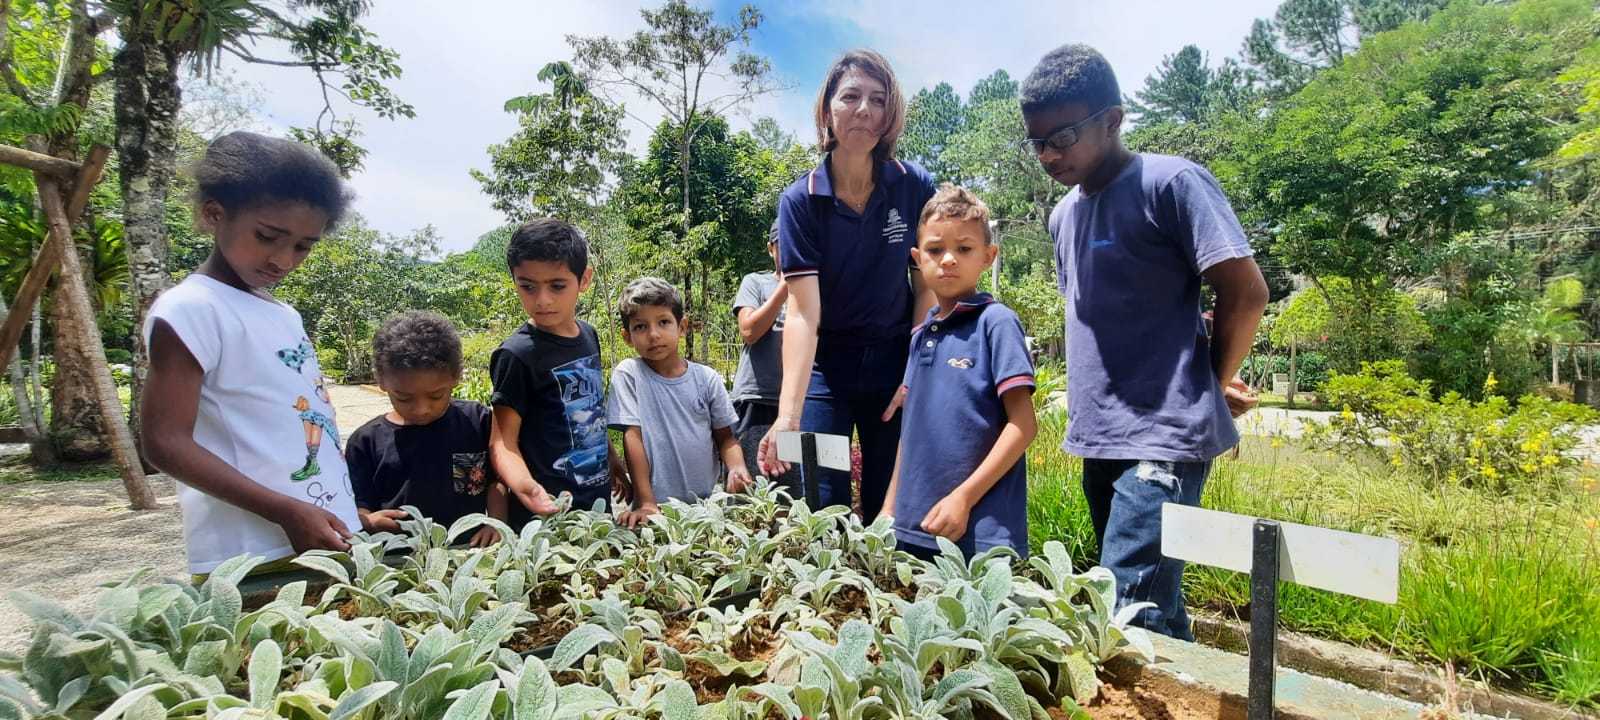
(476, 347)
(1452, 440)
(119, 356)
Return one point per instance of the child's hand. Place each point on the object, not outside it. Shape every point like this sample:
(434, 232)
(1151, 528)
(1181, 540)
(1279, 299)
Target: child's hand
(948, 518)
(312, 528)
(534, 497)
(739, 479)
(638, 516)
(383, 520)
(484, 537)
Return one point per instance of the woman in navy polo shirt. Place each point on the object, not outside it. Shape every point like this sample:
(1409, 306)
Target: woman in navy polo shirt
(845, 233)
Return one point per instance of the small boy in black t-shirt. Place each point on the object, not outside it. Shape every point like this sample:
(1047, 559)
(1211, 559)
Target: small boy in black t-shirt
(429, 451)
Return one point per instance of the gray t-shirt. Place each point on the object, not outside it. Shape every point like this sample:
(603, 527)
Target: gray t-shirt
(1128, 261)
(676, 417)
(760, 373)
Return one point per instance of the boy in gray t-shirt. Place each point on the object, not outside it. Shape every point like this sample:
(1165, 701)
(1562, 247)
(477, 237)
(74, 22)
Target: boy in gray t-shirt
(675, 415)
(759, 308)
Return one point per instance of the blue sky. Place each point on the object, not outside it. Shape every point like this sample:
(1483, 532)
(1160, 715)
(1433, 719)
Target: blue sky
(462, 63)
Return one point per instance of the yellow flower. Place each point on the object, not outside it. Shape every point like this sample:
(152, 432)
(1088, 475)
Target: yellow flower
(1530, 468)
(1277, 442)
(1489, 384)
(1550, 461)
(1490, 472)
(1347, 413)
(1395, 459)
(1591, 523)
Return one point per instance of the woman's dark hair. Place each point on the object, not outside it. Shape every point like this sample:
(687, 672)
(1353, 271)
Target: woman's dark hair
(244, 170)
(549, 240)
(417, 340)
(874, 66)
(1070, 74)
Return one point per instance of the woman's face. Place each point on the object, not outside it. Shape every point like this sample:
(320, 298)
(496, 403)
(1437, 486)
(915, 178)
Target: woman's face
(857, 111)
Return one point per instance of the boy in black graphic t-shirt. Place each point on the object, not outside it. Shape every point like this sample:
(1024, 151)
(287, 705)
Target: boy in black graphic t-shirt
(429, 451)
(549, 399)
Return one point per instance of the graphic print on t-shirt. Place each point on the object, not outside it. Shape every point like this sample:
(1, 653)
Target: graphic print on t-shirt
(297, 356)
(319, 495)
(582, 402)
(468, 473)
(315, 425)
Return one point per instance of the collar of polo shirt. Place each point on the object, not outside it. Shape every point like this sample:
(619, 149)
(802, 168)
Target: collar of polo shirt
(820, 184)
(965, 309)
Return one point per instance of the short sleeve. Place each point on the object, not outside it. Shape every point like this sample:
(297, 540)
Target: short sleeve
(512, 381)
(749, 295)
(622, 404)
(360, 455)
(197, 324)
(1008, 353)
(799, 251)
(1201, 221)
(722, 414)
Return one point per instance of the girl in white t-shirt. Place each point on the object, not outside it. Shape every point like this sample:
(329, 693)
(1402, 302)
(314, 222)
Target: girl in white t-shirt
(235, 406)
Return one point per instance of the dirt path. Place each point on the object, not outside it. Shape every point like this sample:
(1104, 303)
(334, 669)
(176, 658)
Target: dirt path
(63, 539)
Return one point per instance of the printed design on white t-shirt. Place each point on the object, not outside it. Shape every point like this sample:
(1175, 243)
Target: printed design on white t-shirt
(297, 356)
(316, 425)
(319, 495)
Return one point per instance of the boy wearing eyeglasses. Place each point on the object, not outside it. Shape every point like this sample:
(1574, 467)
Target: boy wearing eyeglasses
(1153, 397)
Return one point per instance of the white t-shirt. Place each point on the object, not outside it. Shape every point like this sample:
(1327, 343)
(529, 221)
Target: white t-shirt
(263, 410)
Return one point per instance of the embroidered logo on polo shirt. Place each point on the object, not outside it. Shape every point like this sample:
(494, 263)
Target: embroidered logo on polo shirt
(894, 228)
(960, 363)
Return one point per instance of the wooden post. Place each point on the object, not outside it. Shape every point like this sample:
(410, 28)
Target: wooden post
(58, 248)
(73, 291)
(44, 261)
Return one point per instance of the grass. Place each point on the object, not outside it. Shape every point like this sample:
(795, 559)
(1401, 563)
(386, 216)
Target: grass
(1501, 586)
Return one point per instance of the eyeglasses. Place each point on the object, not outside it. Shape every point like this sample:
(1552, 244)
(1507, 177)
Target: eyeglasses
(1064, 138)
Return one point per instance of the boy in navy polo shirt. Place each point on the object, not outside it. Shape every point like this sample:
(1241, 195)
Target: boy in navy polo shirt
(969, 373)
(1153, 393)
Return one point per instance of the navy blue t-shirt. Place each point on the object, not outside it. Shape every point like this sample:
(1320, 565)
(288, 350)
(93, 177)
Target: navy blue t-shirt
(861, 261)
(960, 367)
(1128, 262)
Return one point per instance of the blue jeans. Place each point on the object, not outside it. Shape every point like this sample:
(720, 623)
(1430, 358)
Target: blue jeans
(1125, 498)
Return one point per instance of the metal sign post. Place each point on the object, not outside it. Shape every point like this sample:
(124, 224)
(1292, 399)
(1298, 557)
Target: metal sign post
(1333, 560)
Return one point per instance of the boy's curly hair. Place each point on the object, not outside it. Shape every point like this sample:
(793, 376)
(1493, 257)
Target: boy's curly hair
(1070, 74)
(417, 340)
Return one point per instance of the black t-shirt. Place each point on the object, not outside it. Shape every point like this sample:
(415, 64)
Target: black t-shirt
(555, 384)
(442, 468)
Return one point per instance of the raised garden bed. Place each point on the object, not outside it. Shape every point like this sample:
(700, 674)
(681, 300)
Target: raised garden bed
(753, 608)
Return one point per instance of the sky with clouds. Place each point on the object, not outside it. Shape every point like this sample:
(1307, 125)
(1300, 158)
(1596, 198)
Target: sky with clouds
(462, 60)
